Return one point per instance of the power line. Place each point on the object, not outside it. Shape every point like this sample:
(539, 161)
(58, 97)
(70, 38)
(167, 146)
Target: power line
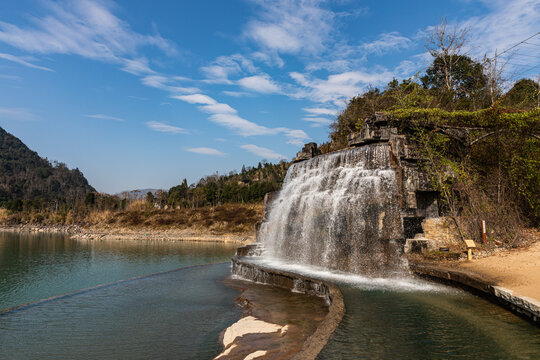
(516, 64)
(532, 56)
(520, 68)
(524, 71)
(519, 43)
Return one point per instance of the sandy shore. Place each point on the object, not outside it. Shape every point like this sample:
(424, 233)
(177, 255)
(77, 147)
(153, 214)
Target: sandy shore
(517, 270)
(81, 233)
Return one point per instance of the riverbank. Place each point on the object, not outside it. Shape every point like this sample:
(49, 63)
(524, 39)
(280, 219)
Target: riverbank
(224, 223)
(115, 233)
(508, 277)
(515, 269)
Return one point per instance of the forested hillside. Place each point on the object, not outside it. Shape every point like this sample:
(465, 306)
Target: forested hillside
(29, 182)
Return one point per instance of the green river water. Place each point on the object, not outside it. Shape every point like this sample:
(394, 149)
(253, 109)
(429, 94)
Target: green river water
(179, 314)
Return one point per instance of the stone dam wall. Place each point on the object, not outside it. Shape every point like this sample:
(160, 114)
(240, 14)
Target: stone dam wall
(298, 283)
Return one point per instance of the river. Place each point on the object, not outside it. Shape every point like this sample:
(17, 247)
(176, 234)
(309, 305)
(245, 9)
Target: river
(175, 314)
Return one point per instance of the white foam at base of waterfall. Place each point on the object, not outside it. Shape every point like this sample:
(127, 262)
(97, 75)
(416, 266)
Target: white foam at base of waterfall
(399, 283)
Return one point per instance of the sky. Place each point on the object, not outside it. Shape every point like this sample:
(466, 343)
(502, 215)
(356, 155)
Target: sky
(141, 94)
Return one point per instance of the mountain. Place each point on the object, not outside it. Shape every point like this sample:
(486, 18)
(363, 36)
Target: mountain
(28, 181)
(136, 194)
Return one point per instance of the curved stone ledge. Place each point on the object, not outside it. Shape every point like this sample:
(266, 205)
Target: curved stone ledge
(487, 288)
(302, 284)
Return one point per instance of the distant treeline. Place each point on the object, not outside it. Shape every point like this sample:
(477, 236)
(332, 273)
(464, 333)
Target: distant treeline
(30, 183)
(248, 186)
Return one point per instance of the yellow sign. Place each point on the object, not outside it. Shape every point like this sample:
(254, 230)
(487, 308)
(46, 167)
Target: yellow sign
(470, 243)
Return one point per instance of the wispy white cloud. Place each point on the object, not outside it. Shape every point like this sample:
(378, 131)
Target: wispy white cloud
(137, 67)
(240, 125)
(270, 59)
(218, 108)
(196, 99)
(386, 42)
(262, 152)
(206, 151)
(10, 77)
(22, 61)
(295, 137)
(346, 62)
(317, 121)
(260, 83)
(104, 117)
(321, 111)
(338, 88)
(291, 27)
(225, 115)
(223, 67)
(17, 114)
(236, 93)
(163, 127)
(85, 28)
(506, 24)
(166, 83)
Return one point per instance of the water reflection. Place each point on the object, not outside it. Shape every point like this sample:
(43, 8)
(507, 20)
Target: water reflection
(36, 266)
(177, 315)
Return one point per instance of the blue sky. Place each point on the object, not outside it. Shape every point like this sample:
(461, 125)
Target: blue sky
(141, 94)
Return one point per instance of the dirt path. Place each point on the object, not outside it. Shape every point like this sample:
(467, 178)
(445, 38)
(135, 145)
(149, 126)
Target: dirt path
(517, 270)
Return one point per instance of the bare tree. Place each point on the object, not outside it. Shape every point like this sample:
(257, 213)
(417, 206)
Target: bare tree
(447, 42)
(494, 70)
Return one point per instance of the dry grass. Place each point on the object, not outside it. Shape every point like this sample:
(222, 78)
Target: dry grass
(3, 215)
(229, 218)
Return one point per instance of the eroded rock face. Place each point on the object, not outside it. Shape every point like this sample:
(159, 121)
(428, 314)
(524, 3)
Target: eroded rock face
(309, 151)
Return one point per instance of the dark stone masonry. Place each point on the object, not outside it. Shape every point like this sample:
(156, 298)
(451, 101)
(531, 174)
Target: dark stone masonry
(418, 200)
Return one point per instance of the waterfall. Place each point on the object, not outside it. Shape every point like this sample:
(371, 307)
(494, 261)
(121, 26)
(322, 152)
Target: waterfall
(339, 211)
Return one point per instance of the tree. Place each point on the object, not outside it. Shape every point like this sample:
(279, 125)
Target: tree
(359, 107)
(161, 197)
(446, 43)
(90, 199)
(468, 85)
(523, 95)
(494, 70)
(150, 198)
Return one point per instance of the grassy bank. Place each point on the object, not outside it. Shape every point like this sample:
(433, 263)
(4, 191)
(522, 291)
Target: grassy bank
(138, 216)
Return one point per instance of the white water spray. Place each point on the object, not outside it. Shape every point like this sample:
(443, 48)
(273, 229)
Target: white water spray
(338, 211)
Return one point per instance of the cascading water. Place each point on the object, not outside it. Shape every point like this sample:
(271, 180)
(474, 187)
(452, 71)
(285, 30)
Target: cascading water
(339, 211)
